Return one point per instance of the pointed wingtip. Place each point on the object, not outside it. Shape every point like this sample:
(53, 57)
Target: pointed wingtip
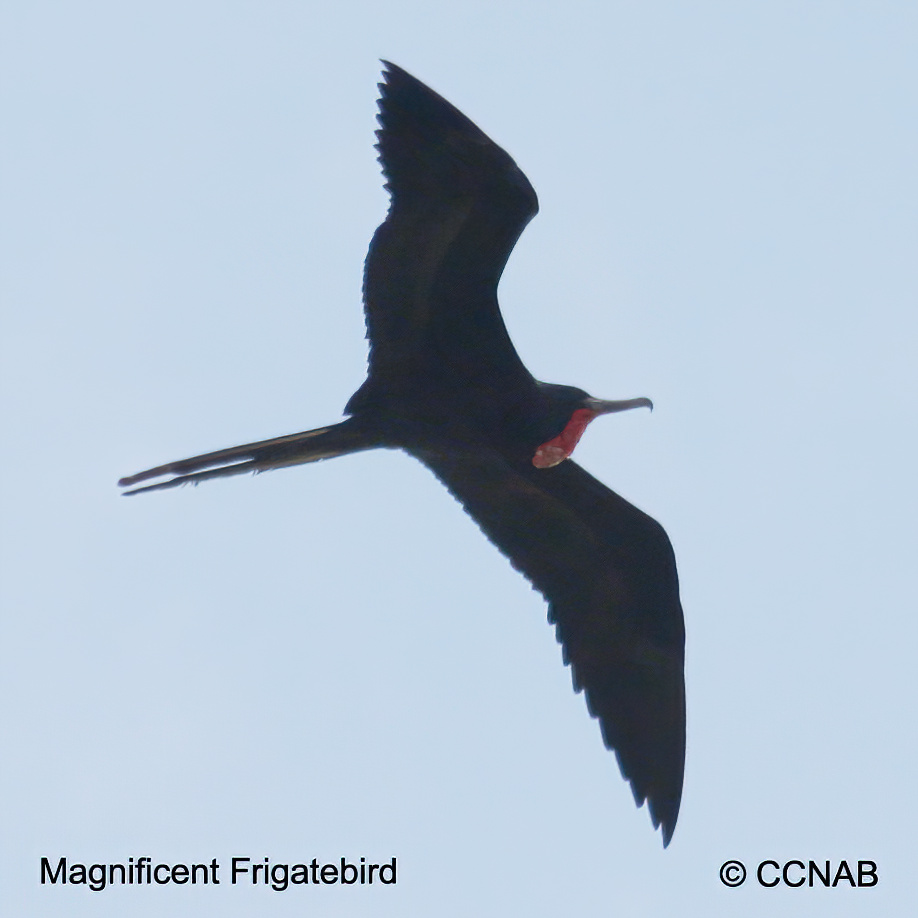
(389, 71)
(662, 809)
(665, 823)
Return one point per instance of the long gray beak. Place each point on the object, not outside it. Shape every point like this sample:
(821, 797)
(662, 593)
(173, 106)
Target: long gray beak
(601, 406)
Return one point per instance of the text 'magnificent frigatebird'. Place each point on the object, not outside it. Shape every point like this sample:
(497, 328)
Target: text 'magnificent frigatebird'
(445, 385)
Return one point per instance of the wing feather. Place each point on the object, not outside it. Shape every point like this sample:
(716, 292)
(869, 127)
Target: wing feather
(458, 205)
(609, 575)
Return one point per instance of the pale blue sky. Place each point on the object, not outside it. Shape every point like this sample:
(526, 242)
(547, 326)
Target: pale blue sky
(294, 666)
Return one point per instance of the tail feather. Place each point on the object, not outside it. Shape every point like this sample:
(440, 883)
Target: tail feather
(292, 449)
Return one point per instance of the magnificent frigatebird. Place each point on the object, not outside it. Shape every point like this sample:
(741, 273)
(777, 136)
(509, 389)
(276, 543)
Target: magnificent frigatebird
(445, 385)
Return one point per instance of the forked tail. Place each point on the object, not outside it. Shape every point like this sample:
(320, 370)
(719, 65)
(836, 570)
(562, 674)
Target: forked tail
(349, 436)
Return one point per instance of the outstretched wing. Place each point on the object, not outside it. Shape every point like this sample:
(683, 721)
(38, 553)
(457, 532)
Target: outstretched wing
(609, 575)
(459, 203)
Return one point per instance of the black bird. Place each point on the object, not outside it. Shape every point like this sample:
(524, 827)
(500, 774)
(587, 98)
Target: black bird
(445, 385)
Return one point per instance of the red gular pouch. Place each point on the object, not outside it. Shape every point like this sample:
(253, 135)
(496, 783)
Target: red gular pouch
(560, 448)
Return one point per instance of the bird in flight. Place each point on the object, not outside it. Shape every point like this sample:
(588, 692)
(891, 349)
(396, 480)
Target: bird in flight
(445, 384)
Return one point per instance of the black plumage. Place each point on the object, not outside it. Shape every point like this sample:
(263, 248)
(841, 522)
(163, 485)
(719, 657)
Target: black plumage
(446, 385)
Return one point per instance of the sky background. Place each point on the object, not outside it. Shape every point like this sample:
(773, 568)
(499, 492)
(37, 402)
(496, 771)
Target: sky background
(332, 661)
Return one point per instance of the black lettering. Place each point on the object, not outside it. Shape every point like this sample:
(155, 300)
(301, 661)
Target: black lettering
(77, 874)
(180, 874)
(280, 874)
(48, 877)
(329, 873)
(844, 873)
(97, 877)
(863, 873)
(203, 868)
(391, 868)
(815, 871)
(758, 873)
(240, 866)
(348, 870)
(799, 864)
(299, 874)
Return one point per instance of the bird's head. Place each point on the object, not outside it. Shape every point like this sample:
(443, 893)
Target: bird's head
(569, 411)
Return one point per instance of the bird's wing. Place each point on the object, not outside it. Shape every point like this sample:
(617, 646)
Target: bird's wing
(609, 575)
(458, 205)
